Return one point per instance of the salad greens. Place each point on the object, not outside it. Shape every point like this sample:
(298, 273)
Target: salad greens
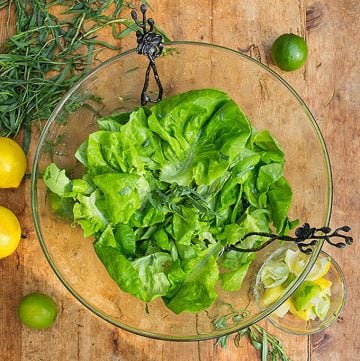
(166, 188)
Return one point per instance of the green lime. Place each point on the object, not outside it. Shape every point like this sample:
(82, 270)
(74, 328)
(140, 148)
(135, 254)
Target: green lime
(305, 294)
(289, 52)
(37, 311)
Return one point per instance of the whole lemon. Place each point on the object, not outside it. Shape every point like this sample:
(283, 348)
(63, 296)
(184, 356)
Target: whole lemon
(12, 163)
(10, 232)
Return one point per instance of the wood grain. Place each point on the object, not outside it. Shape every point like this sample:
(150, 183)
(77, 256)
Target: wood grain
(329, 84)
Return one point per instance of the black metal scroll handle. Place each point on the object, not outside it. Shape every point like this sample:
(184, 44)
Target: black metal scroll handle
(150, 44)
(303, 234)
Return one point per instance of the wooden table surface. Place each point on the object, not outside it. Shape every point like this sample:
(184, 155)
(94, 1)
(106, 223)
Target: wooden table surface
(329, 84)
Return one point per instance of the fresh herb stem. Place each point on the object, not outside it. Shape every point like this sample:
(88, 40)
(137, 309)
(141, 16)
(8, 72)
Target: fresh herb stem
(269, 345)
(48, 54)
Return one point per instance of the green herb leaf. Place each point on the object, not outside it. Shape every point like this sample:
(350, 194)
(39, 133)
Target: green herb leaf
(265, 351)
(48, 54)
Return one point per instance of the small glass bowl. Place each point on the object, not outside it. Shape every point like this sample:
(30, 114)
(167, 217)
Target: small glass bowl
(294, 325)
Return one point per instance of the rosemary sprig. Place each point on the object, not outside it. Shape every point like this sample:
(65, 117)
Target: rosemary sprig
(269, 345)
(49, 53)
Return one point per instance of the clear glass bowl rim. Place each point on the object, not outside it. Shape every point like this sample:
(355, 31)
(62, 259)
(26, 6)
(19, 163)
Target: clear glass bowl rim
(251, 320)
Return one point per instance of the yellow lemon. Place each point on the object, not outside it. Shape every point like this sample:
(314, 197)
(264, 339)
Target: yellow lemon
(12, 163)
(320, 269)
(306, 315)
(10, 232)
(296, 261)
(325, 285)
(271, 295)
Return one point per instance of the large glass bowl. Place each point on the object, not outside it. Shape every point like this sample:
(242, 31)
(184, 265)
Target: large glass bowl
(268, 101)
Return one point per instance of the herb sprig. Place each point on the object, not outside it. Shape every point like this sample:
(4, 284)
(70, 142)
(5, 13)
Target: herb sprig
(48, 54)
(269, 345)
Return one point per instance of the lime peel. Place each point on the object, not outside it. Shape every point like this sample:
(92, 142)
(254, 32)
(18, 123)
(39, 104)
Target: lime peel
(37, 311)
(289, 52)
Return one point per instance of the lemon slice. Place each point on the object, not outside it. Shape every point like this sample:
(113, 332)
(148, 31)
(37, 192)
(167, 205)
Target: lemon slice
(296, 261)
(320, 269)
(325, 285)
(271, 295)
(274, 274)
(306, 315)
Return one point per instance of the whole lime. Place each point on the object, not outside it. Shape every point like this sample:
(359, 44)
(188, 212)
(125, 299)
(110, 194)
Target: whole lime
(37, 311)
(289, 52)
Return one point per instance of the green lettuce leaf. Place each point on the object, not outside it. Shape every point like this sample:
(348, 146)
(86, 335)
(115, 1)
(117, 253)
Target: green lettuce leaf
(280, 196)
(266, 145)
(122, 194)
(145, 277)
(196, 288)
(165, 188)
(88, 213)
(56, 180)
(232, 281)
(202, 131)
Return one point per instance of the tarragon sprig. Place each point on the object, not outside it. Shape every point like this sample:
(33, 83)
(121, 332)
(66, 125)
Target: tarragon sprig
(269, 345)
(48, 54)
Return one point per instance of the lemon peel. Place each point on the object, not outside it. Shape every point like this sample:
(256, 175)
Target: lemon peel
(12, 163)
(10, 232)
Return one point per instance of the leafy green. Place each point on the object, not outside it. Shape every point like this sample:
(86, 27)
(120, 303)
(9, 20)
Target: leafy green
(56, 180)
(125, 239)
(89, 213)
(166, 188)
(269, 345)
(232, 281)
(144, 277)
(197, 289)
(122, 198)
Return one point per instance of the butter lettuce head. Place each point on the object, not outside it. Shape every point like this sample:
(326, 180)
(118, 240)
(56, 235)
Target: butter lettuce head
(166, 188)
